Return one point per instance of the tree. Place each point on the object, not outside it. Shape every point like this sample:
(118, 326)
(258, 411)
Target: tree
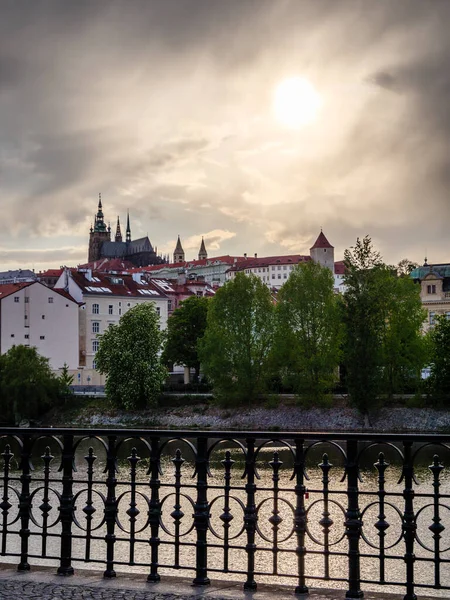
(363, 319)
(65, 381)
(129, 355)
(27, 384)
(184, 329)
(383, 349)
(309, 329)
(439, 380)
(405, 267)
(404, 346)
(235, 348)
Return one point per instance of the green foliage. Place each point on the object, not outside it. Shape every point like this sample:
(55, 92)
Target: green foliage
(439, 380)
(184, 329)
(27, 384)
(308, 337)
(129, 356)
(235, 348)
(404, 346)
(65, 381)
(405, 267)
(382, 316)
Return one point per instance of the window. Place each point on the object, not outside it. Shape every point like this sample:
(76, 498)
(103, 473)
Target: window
(50, 300)
(284, 268)
(284, 276)
(26, 299)
(95, 344)
(42, 337)
(273, 275)
(16, 298)
(110, 309)
(94, 364)
(158, 310)
(279, 268)
(120, 311)
(128, 304)
(95, 309)
(432, 316)
(43, 316)
(120, 303)
(447, 315)
(27, 336)
(431, 289)
(169, 304)
(12, 335)
(279, 275)
(95, 327)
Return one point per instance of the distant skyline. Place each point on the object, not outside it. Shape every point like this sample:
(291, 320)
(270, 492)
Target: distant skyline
(185, 113)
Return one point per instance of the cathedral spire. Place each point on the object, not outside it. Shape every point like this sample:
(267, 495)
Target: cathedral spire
(128, 233)
(99, 223)
(118, 231)
(202, 254)
(178, 255)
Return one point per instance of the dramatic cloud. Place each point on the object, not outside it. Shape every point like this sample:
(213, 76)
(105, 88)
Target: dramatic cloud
(166, 108)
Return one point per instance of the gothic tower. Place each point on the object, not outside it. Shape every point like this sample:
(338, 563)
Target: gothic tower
(99, 233)
(178, 255)
(128, 232)
(202, 254)
(118, 237)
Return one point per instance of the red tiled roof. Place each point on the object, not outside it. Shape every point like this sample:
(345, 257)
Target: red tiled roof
(339, 267)
(265, 261)
(322, 242)
(124, 285)
(108, 264)
(10, 288)
(50, 273)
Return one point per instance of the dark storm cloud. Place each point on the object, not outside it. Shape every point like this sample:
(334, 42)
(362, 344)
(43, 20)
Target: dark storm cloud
(94, 94)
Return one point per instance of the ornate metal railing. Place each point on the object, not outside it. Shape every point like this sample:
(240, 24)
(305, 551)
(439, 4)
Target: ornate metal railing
(358, 510)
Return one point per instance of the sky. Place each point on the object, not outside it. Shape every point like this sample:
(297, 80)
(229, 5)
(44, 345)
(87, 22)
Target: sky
(166, 107)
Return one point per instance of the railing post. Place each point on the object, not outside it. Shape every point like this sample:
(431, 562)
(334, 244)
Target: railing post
(24, 504)
(201, 513)
(66, 508)
(436, 528)
(154, 512)
(5, 504)
(250, 516)
(409, 521)
(353, 522)
(110, 507)
(300, 518)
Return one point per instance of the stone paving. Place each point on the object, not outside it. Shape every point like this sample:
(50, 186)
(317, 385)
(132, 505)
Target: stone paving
(42, 584)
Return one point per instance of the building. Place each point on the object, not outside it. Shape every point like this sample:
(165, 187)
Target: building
(139, 252)
(104, 298)
(49, 277)
(434, 281)
(211, 270)
(47, 319)
(17, 276)
(178, 291)
(275, 270)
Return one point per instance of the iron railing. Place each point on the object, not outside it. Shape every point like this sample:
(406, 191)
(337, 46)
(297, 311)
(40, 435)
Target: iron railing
(355, 509)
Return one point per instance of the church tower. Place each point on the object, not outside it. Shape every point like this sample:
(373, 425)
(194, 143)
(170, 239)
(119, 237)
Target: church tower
(322, 252)
(178, 255)
(128, 232)
(99, 233)
(118, 237)
(202, 254)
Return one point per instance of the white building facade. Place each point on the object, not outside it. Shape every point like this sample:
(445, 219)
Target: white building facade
(33, 315)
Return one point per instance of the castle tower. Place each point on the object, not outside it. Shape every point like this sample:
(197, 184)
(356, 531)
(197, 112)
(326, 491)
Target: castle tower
(178, 254)
(128, 232)
(202, 254)
(118, 237)
(322, 252)
(99, 233)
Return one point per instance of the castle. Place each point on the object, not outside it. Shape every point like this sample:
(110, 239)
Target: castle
(139, 252)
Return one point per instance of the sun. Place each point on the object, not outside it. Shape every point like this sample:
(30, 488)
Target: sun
(296, 102)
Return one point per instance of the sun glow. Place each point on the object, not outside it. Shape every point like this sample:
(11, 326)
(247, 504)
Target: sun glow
(296, 102)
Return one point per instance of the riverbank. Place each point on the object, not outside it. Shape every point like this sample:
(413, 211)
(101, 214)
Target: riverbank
(80, 412)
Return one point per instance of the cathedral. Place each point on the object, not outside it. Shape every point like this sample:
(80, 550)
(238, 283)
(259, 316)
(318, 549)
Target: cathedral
(139, 252)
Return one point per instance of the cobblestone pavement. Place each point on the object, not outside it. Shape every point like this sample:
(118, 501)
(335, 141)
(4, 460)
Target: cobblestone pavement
(43, 584)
